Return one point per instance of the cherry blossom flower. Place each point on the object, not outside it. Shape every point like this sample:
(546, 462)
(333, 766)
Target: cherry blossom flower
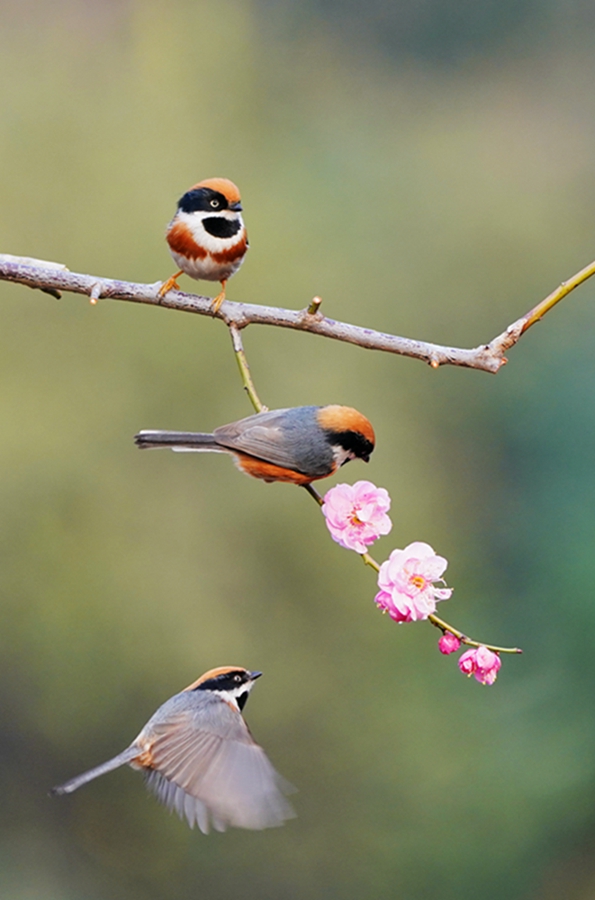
(356, 514)
(482, 663)
(448, 643)
(406, 582)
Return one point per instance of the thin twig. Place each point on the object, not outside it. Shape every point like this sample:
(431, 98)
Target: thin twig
(509, 338)
(444, 626)
(313, 493)
(51, 277)
(238, 349)
(367, 559)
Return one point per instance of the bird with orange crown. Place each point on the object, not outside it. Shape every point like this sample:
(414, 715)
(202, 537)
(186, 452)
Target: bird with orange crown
(207, 236)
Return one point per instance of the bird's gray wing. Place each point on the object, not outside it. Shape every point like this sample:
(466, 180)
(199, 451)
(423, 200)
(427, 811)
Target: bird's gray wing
(273, 436)
(206, 765)
(186, 806)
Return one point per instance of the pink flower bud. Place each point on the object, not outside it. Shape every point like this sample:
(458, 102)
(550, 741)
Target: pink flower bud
(356, 514)
(448, 643)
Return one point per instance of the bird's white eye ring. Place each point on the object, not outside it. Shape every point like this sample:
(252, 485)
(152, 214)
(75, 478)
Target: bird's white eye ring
(237, 678)
(214, 203)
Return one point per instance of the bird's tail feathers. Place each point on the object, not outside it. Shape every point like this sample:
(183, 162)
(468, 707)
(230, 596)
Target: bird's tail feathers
(69, 786)
(178, 440)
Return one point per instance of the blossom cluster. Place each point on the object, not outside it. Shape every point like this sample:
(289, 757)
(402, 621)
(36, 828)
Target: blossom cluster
(410, 581)
(481, 662)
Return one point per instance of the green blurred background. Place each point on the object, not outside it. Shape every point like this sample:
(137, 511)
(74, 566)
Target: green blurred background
(428, 169)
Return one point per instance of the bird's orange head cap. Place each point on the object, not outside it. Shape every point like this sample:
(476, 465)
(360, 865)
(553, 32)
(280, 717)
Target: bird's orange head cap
(214, 673)
(223, 185)
(344, 418)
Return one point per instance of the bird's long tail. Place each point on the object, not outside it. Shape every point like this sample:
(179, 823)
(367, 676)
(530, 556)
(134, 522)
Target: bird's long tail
(69, 786)
(178, 440)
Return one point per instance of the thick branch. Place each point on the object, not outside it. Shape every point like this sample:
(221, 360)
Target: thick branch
(52, 278)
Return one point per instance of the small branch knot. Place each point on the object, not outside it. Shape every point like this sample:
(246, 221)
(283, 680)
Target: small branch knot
(95, 294)
(314, 306)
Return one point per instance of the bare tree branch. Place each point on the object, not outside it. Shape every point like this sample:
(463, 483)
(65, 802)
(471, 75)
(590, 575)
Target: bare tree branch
(53, 277)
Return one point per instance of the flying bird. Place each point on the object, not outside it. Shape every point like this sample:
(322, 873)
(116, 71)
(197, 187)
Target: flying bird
(199, 758)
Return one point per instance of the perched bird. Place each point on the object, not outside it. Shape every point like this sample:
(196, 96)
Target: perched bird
(207, 237)
(200, 759)
(299, 445)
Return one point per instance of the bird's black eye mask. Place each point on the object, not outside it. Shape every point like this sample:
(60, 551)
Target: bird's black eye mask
(202, 200)
(354, 442)
(227, 681)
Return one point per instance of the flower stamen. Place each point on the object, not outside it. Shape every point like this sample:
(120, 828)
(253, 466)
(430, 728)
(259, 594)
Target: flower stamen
(418, 581)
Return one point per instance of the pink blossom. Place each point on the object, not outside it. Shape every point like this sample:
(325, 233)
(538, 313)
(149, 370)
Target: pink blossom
(406, 582)
(467, 663)
(448, 643)
(356, 514)
(480, 662)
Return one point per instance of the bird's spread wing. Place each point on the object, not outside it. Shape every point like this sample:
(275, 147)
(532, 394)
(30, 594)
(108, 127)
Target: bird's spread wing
(215, 773)
(186, 806)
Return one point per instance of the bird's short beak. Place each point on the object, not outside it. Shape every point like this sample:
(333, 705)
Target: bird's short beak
(237, 207)
(255, 675)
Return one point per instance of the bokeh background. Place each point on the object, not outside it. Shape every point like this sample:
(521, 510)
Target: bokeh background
(428, 168)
